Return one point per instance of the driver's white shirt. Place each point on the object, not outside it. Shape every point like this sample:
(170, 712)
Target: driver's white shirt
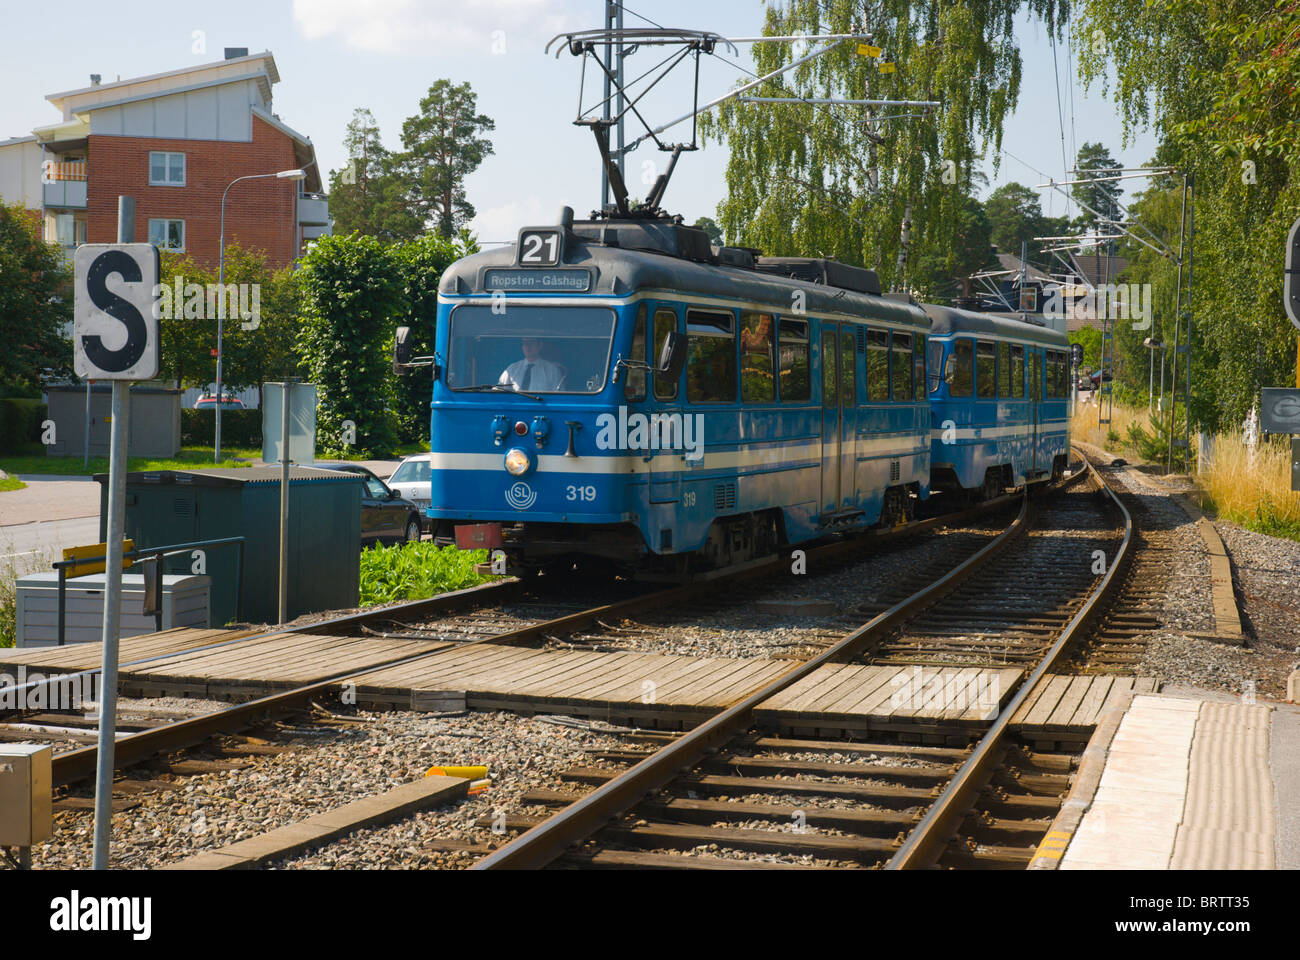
(545, 375)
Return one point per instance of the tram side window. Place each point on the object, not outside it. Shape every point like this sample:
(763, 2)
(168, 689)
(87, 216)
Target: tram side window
(1017, 371)
(710, 357)
(1053, 371)
(757, 343)
(877, 365)
(1062, 379)
(961, 369)
(829, 397)
(934, 365)
(634, 386)
(1004, 370)
(795, 382)
(901, 361)
(986, 380)
(848, 368)
(1035, 375)
(665, 323)
(919, 366)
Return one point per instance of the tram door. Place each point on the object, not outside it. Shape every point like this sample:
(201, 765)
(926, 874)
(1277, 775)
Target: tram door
(848, 419)
(1035, 395)
(832, 420)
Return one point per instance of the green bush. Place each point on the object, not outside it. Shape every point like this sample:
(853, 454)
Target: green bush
(239, 428)
(20, 423)
(413, 571)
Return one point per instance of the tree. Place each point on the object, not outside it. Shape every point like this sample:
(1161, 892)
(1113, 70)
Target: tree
(938, 273)
(369, 195)
(709, 226)
(421, 264)
(1100, 195)
(35, 304)
(842, 180)
(1217, 83)
(442, 147)
(189, 329)
(353, 299)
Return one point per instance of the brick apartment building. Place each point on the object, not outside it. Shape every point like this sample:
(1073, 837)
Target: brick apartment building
(174, 141)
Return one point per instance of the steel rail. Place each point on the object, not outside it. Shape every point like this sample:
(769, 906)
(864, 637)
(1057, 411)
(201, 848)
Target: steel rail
(932, 834)
(578, 821)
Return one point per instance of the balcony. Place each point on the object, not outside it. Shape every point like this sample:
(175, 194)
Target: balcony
(64, 184)
(313, 211)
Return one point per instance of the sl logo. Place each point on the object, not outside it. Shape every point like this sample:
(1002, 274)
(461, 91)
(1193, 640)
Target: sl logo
(521, 496)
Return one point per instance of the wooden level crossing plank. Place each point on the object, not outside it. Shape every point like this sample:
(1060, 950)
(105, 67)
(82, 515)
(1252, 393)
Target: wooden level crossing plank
(89, 656)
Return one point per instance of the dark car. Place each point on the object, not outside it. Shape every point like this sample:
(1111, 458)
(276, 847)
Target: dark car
(385, 516)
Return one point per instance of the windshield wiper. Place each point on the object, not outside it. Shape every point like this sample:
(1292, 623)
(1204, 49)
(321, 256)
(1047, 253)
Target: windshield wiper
(498, 388)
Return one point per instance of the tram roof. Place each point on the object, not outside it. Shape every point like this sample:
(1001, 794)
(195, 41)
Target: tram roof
(952, 320)
(623, 271)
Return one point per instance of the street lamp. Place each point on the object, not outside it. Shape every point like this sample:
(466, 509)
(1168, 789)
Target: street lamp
(221, 279)
(1153, 344)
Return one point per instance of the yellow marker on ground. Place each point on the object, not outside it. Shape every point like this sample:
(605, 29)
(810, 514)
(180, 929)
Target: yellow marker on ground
(867, 50)
(1053, 845)
(94, 550)
(468, 773)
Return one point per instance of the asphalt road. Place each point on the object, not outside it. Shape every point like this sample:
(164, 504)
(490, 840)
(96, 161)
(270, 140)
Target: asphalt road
(27, 547)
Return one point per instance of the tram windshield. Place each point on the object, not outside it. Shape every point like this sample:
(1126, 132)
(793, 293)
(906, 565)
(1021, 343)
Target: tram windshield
(530, 349)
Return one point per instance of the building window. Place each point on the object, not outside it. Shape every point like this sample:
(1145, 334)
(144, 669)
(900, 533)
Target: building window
(167, 234)
(166, 169)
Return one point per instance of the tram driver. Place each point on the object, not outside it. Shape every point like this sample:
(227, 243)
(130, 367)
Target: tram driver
(533, 372)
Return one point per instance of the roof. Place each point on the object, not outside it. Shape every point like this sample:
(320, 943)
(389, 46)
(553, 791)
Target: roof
(621, 271)
(951, 320)
(232, 476)
(304, 151)
(1011, 264)
(171, 81)
(1094, 267)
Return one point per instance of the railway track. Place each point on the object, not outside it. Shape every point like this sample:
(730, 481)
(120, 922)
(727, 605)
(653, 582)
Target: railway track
(505, 612)
(724, 789)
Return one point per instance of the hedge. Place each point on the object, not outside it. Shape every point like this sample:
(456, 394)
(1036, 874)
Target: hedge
(20, 423)
(239, 428)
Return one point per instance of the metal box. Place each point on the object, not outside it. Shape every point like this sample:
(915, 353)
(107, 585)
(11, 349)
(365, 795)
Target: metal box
(183, 506)
(26, 815)
(186, 603)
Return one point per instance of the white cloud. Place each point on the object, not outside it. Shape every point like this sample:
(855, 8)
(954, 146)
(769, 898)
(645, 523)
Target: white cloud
(503, 222)
(428, 26)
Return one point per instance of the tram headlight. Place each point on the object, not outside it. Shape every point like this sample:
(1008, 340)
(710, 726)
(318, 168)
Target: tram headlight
(518, 462)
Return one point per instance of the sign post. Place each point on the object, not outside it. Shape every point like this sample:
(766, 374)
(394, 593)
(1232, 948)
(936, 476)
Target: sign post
(115, 337)
(289, 412)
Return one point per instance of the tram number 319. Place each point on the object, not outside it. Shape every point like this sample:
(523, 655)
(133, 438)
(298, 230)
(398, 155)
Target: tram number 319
(584, 494)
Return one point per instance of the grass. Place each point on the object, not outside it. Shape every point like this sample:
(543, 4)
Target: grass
(11, 483)
(11, 568)
(1254, 493)
(413, 571)
(188, 459)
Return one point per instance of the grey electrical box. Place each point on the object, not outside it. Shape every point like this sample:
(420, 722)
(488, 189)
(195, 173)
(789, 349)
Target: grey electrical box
(26, 816)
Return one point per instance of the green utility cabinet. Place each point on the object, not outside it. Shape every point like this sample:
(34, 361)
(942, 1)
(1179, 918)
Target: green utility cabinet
(182, 506)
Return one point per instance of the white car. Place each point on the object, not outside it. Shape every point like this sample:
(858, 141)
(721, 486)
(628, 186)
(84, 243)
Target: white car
(412, 478)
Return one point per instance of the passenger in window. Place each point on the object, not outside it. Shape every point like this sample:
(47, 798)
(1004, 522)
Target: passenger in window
(533, 372)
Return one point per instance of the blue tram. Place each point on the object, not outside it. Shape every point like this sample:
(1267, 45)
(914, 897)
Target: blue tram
(1000, 408)
(618, 392)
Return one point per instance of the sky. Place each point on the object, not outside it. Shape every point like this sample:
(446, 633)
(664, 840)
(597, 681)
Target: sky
(337, 55)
